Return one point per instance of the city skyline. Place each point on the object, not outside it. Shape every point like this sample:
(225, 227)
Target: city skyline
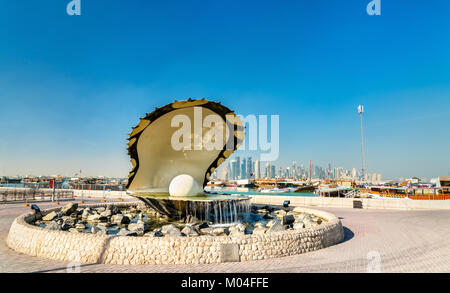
(72, 87)
(247, 168)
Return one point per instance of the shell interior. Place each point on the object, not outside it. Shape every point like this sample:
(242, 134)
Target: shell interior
(157, 160)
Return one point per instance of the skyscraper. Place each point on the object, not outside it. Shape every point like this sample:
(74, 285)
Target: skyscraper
(243, 169)
(249, 167)
(257, 169)
(233, 169)
(238, 168)
(267, 173)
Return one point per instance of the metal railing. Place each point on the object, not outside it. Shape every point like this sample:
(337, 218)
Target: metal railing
(33, 194)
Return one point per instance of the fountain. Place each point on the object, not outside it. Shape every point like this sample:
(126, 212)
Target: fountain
(174, 150)
(170, 178)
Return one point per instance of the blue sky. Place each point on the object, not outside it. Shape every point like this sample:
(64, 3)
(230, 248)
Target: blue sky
(72, 86)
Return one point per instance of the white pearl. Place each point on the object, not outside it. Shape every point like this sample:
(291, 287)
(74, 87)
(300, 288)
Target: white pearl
(184, 185)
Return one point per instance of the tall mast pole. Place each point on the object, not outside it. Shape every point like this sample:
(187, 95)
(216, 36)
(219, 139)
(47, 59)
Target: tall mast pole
(310, 171)
(363, 170)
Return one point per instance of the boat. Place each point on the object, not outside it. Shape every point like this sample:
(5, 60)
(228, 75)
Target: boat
(308, 188)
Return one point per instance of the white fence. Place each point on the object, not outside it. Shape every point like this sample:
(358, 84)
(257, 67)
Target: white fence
(367, 203)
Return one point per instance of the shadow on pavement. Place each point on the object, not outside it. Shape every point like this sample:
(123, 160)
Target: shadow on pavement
(348, 234)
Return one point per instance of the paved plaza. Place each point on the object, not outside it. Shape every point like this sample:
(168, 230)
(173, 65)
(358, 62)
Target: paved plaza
(402, 241)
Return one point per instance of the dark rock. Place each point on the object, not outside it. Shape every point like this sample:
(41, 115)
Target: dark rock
(37, 215)
(66, 227)
(288, 219)
(67, 220)
(53, 226)
(114, 209)
(103, 219)
(69, 208)
(154, 234)
(203, 225)
(268, 216)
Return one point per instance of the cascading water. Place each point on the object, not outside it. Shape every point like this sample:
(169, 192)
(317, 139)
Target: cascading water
(219, 211)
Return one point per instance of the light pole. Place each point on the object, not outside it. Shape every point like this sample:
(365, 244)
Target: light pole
(363, 170)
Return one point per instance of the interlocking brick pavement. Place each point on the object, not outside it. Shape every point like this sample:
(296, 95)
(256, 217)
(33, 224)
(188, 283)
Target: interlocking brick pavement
(406, 241)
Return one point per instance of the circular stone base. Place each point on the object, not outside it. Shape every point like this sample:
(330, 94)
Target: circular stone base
(109, 249)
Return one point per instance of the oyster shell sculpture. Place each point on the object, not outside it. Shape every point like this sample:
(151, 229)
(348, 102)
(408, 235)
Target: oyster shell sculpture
(207, 132)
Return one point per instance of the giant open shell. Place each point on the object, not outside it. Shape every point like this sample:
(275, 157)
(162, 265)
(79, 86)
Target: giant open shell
(138, 137)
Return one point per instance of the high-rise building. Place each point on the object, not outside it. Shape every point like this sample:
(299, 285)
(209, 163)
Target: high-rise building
(354, 174)
(233, 170)
(280, 173)
(288, 173)
(243, 169)
(238, 169)
(272, 171)
(257, 169)
(249, 167)
(267, 171)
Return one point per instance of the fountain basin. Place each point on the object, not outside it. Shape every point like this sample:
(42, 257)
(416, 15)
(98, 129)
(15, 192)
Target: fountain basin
(92, 248)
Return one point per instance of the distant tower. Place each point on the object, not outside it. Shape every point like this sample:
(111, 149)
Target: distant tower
(257, 170)
(243, 169)
(354, 173)
(361, 111)
(249, 167)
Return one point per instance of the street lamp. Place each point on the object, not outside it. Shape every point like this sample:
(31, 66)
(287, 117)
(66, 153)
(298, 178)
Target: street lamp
(361, 111)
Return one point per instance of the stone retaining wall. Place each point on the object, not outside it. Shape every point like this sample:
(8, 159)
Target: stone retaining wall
(89, 248)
